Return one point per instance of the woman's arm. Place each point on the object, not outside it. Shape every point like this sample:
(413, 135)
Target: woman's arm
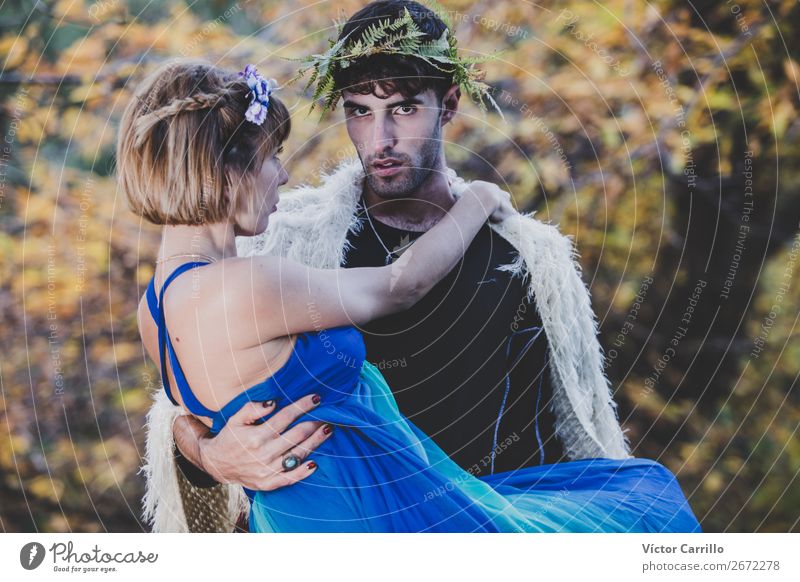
(288, 297)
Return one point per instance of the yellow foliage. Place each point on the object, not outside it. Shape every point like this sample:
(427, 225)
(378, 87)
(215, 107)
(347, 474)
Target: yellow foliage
(13, 50)
(74, 10)
(46, 487)
(34, 124)
(713, 482)
(88, 93)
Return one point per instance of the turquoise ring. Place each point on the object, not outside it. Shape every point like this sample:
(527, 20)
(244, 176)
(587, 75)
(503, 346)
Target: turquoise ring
(290, 462)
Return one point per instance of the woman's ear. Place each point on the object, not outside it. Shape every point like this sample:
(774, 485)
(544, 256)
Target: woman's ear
(450, 103)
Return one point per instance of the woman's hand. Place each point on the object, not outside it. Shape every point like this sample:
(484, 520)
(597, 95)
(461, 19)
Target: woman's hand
(497, 200)
(251, 455)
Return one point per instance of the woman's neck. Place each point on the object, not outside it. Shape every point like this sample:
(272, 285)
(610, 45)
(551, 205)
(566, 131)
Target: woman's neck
(212, 241)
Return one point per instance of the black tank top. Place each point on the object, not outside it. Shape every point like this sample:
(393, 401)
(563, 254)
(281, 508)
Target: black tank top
(468, 363)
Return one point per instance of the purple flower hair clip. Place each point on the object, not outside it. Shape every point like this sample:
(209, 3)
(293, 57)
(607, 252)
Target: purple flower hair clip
(260, 90)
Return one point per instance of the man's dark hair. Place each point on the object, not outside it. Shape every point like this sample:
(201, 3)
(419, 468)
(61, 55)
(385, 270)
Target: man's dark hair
(393, 73)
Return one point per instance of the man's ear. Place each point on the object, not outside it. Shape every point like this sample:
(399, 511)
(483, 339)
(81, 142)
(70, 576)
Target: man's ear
(450, 103)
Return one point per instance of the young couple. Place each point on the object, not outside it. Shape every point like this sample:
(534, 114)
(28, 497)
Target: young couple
(393, 351)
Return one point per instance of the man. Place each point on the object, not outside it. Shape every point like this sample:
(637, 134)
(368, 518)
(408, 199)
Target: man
(494, 364)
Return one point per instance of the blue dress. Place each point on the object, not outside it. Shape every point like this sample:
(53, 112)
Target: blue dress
(380, 473)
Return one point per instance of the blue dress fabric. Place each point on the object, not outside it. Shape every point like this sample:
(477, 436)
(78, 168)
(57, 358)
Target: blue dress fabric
(379, 473)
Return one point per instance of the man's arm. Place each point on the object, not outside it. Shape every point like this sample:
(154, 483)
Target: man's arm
(246, 453)
(188, 433)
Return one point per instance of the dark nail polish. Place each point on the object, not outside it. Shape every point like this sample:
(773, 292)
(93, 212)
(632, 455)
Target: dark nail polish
(327, 429)
(317, 399)
(311, 465)
(268, 403)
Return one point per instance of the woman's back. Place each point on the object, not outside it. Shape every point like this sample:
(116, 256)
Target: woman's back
(217, 345)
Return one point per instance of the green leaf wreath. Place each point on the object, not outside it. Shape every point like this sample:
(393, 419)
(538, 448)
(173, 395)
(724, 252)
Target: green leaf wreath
(401, 36)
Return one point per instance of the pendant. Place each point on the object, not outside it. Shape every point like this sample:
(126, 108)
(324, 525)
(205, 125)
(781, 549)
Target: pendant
(389, 259)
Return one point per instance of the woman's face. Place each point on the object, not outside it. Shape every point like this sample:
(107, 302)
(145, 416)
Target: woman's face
(256, 206)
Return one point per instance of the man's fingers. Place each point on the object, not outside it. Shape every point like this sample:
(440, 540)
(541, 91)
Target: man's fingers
(285, 478)
(315, 439)
(289, 413)
(278, 475)
(299, 433)
(251, 412)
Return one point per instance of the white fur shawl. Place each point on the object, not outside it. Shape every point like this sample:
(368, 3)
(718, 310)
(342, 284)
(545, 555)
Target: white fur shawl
(311, 227)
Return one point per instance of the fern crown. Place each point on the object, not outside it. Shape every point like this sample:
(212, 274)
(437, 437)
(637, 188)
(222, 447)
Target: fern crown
(401, 36)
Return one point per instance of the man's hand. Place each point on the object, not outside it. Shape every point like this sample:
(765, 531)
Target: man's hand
(251, 455)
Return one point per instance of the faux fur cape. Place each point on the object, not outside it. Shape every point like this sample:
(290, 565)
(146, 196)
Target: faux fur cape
(311, 227)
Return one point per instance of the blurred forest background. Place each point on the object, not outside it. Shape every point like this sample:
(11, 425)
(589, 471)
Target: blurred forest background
(663, 135)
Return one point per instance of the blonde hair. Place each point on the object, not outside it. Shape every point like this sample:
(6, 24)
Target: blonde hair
(185, 152)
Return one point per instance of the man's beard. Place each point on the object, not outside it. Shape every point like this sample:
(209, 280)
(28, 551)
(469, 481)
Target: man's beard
(415, 171)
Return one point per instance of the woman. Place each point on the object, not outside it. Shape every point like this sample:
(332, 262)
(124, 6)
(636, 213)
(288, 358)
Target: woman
(197, 153)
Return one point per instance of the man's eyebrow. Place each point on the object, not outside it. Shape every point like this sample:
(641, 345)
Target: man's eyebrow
(405, 102)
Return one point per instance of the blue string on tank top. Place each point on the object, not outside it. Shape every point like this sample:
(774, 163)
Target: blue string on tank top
(538, 331)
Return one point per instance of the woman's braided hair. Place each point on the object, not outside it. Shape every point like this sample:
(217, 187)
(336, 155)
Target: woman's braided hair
(193, 103)
(185, 152)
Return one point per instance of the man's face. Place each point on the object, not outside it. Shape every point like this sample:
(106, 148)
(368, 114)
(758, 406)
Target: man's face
(398, 139)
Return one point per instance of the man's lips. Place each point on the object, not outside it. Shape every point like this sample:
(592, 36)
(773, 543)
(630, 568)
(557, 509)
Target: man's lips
(386, 167)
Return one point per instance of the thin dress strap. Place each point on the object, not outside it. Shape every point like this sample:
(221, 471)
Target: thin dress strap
(157, 311)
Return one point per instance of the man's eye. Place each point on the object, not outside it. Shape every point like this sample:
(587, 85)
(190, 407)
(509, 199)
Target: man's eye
(406, 109)
(359, 111)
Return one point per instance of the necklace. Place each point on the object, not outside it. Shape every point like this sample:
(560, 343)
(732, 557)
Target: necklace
(184, 255)
(398, 250)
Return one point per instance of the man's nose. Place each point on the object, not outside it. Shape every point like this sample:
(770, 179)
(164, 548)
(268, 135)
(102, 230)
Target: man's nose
(383, 137)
